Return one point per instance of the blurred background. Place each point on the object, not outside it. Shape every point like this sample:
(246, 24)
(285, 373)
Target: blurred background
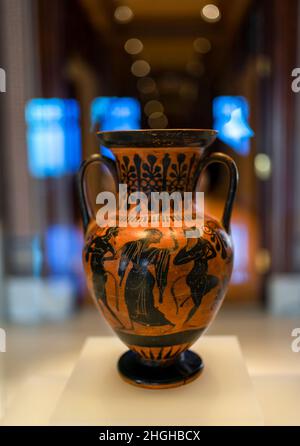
(74, 66)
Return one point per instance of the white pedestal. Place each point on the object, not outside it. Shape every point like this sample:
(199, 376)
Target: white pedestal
(96, 395)
(279, 398)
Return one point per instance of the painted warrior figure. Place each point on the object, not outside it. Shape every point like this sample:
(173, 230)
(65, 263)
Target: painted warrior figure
(98, 250)
(199, 282)
(140, 281)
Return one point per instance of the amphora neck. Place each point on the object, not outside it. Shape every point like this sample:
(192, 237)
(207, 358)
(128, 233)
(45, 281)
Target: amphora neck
(157, 170)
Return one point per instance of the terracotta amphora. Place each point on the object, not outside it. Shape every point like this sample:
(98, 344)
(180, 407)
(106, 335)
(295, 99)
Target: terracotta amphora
(157, 288)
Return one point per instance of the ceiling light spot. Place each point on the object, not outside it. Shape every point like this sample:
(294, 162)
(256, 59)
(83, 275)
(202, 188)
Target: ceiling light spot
(202, 45)
(146, 85)
(211, 13)
(158, 120)
(152, 107)
(140, 68)
(123, 14)
(133, 46)
(262, 166)
(262, 261)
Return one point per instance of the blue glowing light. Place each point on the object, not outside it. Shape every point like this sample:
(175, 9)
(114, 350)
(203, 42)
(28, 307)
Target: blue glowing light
(63, 249)
(115, 113)
(231, 115)
(53, 137)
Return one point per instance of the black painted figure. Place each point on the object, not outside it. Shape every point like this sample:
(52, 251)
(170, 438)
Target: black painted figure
(199, 282)
(140, 281)
(98, 250)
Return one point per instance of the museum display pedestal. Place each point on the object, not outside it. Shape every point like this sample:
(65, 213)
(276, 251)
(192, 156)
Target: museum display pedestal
(96, 395)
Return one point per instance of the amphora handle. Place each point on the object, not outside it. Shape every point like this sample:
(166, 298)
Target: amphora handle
(226, 160)
(82, 176)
